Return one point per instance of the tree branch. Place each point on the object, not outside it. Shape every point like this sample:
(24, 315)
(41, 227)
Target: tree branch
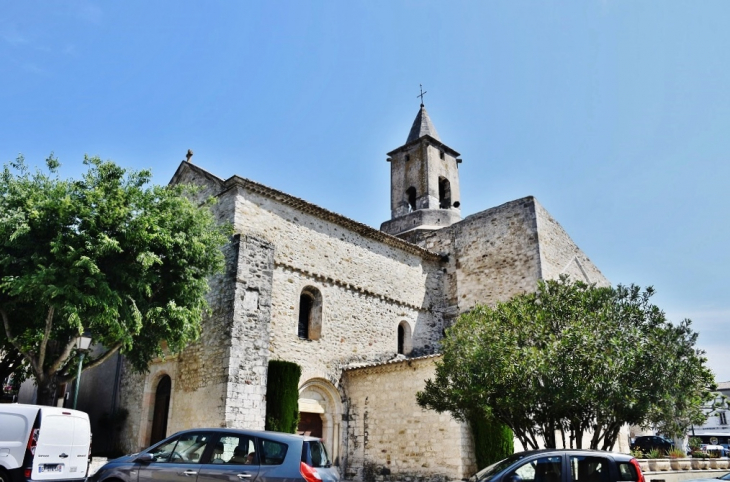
(46, 335)
(6, 323)
(56, 365)
(96, 362)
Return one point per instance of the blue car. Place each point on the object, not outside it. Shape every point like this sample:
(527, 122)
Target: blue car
(224, 455)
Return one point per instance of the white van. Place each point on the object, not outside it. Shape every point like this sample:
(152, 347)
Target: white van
(43, 443)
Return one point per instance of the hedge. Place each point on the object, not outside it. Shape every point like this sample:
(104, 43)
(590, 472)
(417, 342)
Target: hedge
(282, 396)
(493, 441)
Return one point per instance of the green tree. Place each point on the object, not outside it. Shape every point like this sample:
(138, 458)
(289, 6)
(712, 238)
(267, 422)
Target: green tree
(107, 254)
(282, 396)
(572, 359)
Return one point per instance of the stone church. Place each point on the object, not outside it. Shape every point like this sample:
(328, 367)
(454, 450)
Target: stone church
(361, 310)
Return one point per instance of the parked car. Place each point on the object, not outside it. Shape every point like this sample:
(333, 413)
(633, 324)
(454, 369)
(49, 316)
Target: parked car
(566, 465)
(652, 442)
(225, 455)
(39, 443)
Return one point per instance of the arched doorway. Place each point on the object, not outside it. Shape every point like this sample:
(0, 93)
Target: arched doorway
(161, 410)
(320, 414)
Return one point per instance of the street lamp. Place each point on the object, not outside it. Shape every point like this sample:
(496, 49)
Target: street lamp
(83, 342)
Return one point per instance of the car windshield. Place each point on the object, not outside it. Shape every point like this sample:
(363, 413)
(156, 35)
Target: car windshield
(725, 477)
(489, 472)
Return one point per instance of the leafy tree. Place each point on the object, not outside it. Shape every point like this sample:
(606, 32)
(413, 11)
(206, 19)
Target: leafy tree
(572, 359)
(106, 254)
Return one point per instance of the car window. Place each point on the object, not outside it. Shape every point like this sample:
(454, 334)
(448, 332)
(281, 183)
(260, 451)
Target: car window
(234, 449)
(544, 469)
(162, 452)
(627, 471)
(272, 453)
(588, 469)
(186, 448)
(314, 453)
(487, 473)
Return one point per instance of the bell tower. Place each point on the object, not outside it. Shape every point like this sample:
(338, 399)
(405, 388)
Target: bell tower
(424, 182)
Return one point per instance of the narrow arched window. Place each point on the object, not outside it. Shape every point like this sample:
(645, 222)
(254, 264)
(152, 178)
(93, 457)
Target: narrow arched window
(401, 338)
(411, 193)
(405, 342)
(310, 314)
(444, 193)
(305, 312)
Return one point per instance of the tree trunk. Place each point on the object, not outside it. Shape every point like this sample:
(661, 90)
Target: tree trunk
(46, 390)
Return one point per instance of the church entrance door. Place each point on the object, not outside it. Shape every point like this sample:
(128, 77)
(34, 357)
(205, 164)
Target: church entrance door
(161, 411)
(310, 424)
(320, 412)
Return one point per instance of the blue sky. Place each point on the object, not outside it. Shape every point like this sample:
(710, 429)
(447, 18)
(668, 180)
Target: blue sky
(613, 114)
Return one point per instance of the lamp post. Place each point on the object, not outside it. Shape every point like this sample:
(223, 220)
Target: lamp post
(82, 346)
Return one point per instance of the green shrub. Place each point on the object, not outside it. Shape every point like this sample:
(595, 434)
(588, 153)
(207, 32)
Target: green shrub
(654, 454)
(676, 453)
(694, 443)
(493, 441)
(282, 396)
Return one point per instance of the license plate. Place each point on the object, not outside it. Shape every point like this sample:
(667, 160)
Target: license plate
(50, 468)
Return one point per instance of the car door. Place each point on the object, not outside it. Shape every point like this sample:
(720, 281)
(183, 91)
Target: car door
(233, 459)
(548, 468)
(177, 459)
(589, 468)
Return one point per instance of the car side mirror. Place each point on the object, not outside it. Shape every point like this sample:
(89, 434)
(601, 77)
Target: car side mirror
(145, 458)
(512, 478)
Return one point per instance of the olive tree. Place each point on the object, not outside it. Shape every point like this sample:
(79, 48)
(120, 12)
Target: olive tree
(108, 254)
(572, 359)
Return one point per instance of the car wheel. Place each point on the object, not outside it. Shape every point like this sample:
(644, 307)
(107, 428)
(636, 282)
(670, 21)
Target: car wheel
(4, 477)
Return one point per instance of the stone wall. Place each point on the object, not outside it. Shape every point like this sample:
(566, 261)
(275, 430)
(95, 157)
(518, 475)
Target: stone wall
(560, 255)
(493, 255)
(501, 252)
(367, 287)
(389, 434)
(249, 335)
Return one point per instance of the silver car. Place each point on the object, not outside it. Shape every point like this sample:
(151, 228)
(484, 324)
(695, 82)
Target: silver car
(224, 455)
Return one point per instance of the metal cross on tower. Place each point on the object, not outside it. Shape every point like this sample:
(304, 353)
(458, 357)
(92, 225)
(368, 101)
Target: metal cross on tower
(421, 94)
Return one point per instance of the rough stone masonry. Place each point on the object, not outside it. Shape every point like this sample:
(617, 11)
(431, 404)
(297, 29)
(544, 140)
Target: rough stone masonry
(361, 310)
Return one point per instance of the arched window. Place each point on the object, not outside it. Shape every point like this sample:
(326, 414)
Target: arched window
(411, 193)
(444, 193)
(405, 343)
(310, 314)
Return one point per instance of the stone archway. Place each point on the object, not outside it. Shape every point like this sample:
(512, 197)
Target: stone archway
(161, 409)
(318, 398)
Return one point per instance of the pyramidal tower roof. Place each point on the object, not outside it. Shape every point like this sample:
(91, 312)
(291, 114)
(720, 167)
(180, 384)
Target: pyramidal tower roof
(422, 126)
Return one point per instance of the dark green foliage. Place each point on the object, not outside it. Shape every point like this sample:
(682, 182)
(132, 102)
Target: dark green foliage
(493, 440)
(282, 396)
(572, 359)
(107, 254)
